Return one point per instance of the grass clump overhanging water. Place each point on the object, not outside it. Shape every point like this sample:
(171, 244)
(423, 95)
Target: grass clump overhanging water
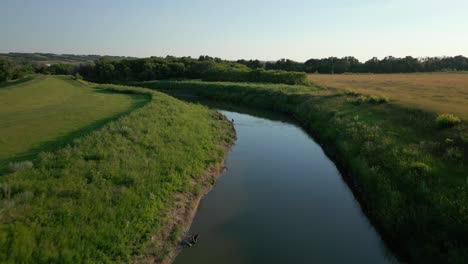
(101, 198)
(409, 175)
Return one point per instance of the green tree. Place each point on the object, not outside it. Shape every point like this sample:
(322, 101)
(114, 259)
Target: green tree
(6, 70)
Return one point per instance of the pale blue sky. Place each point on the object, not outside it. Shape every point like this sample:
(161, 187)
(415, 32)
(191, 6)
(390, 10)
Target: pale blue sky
(266, 30)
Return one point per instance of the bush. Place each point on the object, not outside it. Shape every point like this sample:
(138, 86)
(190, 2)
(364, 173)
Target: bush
(361, 99)
(77, 76)
(419, 168)
(378, 99)
(351, 92)
(241, 74)
(19, 166)
(6, 70)
(20, 72)
(371, 100)
(124, 131)
(447, 120)
(454, 153)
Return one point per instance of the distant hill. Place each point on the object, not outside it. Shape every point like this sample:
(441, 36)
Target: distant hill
(50, 58)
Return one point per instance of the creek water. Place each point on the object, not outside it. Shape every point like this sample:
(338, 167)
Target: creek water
(282, 200)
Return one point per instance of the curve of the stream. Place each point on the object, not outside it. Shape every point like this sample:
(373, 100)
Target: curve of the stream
(281, 201)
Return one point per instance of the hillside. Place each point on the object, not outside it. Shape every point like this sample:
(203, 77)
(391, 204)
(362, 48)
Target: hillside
(42, 113)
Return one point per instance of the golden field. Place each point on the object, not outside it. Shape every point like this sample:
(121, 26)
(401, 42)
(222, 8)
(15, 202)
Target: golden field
(435, 92)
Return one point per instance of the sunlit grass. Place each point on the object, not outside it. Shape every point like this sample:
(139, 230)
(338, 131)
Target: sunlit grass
(45, 112)
(435, 92)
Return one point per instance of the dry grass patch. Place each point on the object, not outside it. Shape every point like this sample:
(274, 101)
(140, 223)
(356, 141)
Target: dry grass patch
(435, 92)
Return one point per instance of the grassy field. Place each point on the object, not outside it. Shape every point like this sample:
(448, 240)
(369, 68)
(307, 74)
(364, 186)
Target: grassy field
(435, 92)
(408, 172)
(42, 113)
(118, 194)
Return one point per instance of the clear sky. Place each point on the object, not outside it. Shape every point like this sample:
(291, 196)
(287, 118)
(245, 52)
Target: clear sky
(235, 29)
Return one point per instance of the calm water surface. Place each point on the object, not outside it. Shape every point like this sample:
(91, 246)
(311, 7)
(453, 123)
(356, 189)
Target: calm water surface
(281, 201)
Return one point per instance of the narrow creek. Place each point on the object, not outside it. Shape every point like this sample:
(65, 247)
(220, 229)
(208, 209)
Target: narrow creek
(282, 200)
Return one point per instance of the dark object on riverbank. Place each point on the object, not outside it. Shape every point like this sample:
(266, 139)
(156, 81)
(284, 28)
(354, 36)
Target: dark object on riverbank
(190, 240)
(194, 239)
(223, 170)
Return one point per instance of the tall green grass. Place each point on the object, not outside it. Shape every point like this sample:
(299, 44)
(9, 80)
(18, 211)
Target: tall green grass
(101, 198)
(410, 175)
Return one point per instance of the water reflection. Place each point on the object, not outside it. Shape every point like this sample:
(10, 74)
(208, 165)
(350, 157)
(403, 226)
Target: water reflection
(281, 201)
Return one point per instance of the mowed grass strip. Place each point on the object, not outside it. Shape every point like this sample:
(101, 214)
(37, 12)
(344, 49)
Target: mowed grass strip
(103, 197)
(434, 92)
(46, 112)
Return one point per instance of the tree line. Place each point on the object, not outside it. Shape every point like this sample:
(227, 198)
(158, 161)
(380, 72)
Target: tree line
(110, 70)
(11, 70)
(390, 64)
(207, 68)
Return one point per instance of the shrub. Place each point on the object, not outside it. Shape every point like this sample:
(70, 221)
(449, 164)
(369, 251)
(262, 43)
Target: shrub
(6, 70)
(239, 74)
(351, 92)
(175, 234)
(361, 99)
(447, 120)
(77, 76)
(419, 168)
(372, 99)
(378, 99)
(18, 166)
(454, 153)
(123, 130)
(275, 76)
(449, 141)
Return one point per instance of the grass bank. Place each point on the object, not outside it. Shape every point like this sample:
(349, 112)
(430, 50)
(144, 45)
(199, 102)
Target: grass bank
(408, 173)
(43, 113)
(122, 193)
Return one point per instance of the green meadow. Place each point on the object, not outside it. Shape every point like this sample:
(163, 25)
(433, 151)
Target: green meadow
(109, 189)
(42, 113)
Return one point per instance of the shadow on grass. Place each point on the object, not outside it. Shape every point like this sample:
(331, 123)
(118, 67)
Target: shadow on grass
(233, 107)
(16, 82)
(62, 141)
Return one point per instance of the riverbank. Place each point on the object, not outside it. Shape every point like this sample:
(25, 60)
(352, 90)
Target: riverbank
(165, 245)
(105, 195)
(408, 173)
